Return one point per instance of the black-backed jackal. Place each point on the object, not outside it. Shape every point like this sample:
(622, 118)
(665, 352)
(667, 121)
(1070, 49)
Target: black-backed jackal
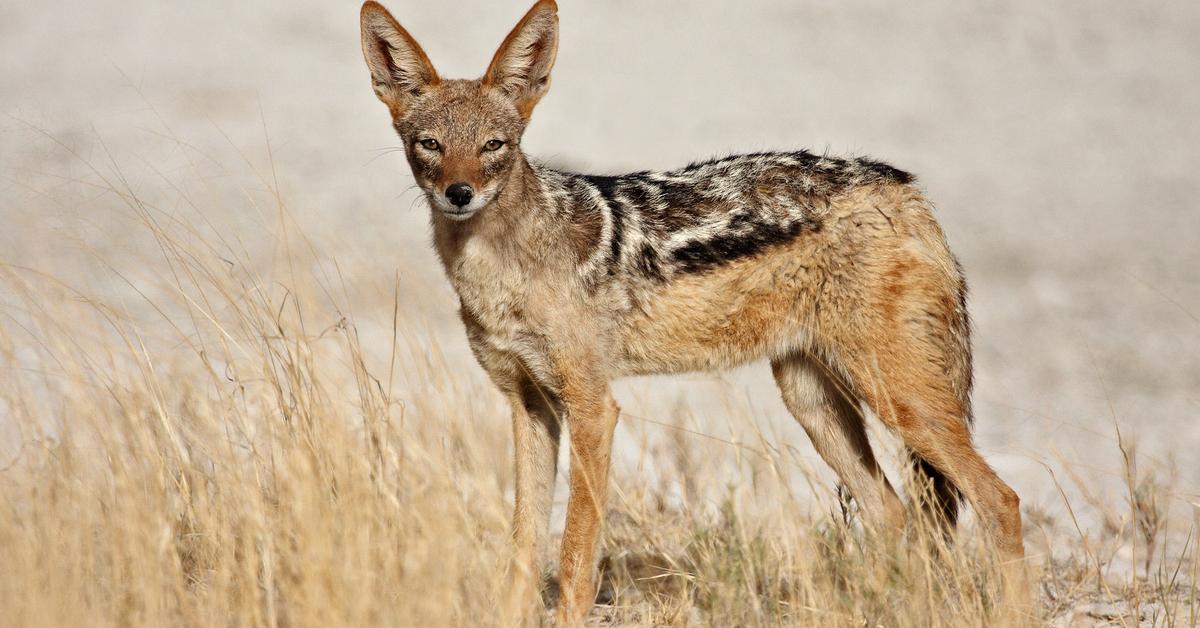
(834, 269)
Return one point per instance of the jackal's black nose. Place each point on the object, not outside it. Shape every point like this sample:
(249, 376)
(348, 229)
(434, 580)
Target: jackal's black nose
(460, 194)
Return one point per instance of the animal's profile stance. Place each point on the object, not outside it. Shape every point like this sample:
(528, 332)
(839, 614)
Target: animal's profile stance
(833, 269)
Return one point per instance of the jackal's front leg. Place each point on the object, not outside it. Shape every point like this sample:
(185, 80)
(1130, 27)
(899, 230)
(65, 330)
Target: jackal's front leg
(537, 425)
(591, 418)
(536, 429)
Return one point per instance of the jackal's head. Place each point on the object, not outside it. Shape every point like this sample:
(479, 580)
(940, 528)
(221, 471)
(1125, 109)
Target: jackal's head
(462, 137)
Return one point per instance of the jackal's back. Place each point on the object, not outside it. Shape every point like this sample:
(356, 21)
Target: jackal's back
(662, 225)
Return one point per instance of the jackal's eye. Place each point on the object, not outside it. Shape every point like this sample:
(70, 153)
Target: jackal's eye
(430, 144)
(492, 145)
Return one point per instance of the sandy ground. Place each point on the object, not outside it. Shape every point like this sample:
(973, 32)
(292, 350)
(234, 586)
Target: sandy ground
(1058, 140)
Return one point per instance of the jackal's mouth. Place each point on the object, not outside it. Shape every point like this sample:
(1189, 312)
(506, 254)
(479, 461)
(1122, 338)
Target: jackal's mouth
(458, 214)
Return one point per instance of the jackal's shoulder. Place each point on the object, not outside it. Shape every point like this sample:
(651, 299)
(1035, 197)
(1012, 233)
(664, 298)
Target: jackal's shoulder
(707, 213)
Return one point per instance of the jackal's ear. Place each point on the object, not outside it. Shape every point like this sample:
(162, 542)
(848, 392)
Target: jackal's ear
(399, 68)
(521, 66)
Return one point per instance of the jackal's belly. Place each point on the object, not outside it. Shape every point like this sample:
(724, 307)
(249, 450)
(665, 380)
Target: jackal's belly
(745, 311)
(681, 346)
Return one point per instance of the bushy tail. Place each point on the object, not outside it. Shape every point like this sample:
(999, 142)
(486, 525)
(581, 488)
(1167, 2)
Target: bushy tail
(936, 496)
(933, 493)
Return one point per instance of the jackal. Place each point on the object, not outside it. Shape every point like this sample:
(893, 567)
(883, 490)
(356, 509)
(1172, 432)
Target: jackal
(833, 269)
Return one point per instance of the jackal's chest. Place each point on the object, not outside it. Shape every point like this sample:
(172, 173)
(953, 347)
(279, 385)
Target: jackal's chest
(495, 294)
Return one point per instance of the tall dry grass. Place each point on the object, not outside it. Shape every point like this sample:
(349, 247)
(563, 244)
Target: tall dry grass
(218, 447)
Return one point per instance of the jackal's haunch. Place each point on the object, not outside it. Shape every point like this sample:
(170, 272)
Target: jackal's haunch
(833, 269)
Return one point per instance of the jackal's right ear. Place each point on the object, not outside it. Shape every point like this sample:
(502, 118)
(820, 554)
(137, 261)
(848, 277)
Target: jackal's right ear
(521, 66)
(399, 68)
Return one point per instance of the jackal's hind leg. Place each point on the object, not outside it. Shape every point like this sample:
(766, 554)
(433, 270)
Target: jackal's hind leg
(903, 381)
(825, 408)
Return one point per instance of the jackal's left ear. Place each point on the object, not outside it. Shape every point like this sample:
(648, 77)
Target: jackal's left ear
(521, 66)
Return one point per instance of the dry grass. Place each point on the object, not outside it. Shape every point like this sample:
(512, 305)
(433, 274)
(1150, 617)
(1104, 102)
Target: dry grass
(225, 451)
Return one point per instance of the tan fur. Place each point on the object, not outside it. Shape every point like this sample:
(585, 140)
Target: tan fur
(862, 305)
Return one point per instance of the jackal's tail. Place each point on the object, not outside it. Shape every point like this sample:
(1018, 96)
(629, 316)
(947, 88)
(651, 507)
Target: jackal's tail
(935, 496)
(932, 491)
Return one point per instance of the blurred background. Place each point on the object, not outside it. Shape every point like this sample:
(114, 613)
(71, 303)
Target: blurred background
(1059, 142)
